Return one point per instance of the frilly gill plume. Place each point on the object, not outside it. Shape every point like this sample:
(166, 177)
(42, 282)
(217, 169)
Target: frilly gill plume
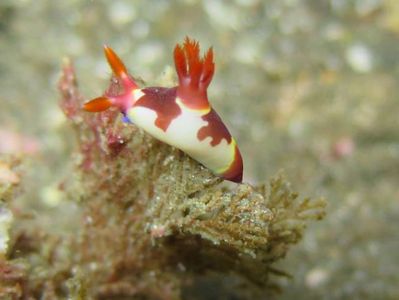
(194, 73)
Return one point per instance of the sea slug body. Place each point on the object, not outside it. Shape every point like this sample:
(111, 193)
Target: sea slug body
(180, 116)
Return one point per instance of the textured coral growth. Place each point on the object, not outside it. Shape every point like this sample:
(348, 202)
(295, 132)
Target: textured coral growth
(154, 223)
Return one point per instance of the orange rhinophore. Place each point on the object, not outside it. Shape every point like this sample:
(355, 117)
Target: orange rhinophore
(180, 116)
(97, 104)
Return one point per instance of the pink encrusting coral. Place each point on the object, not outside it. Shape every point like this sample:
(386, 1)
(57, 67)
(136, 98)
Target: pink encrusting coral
(93, 146)
(12, 142)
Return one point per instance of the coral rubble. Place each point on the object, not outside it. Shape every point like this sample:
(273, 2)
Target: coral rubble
(155, 224)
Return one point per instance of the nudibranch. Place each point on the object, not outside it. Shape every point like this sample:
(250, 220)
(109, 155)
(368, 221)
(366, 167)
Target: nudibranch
(180, 116)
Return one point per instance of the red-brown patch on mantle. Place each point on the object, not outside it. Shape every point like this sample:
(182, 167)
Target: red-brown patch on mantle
(163, 102)
(215, 129)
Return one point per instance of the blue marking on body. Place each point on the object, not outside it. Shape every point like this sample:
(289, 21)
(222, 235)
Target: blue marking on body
(125, 119)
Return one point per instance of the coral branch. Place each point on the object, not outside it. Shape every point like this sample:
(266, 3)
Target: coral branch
(154, 221)
(162, 212)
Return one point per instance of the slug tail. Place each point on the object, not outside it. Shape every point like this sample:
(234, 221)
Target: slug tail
(234, 172)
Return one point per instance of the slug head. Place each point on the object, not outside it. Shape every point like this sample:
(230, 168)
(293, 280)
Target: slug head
(122, 100)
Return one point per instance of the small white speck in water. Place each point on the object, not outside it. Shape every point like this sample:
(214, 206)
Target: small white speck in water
(359, 58)
(6, 219)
